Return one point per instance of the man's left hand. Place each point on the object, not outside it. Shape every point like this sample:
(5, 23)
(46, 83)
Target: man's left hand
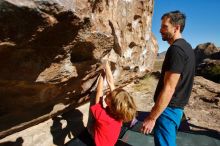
(148, 125)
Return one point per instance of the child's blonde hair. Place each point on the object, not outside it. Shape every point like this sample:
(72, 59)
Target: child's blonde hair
(122, 106)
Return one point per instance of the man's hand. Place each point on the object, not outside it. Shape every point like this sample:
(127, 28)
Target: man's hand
(148, 125)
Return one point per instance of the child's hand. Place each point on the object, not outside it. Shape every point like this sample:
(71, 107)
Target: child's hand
(101, 68)
(108, 74)
(105, 64)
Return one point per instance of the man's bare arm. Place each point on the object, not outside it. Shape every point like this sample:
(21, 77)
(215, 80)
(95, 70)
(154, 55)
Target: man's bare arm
(170, 81)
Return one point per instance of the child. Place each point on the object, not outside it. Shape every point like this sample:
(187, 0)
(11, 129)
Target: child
(120, 108)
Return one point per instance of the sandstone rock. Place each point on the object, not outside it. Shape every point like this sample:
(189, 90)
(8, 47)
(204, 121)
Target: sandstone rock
(208, 61)
(55, 47)
(203, 107)
(206, 50)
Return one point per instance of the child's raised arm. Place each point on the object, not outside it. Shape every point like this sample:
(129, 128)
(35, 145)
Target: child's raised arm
(109, 76)
(99, 90)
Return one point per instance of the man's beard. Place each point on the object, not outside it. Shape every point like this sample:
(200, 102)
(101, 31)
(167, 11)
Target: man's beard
(167, 36)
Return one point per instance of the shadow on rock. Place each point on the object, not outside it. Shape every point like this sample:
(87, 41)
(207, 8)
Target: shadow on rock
(205, 131)
(67, 126)
(18, 142)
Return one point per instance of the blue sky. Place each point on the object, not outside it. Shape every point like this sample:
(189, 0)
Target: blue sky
(202, 20)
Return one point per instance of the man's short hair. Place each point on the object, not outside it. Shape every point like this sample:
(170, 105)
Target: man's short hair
(176, 18)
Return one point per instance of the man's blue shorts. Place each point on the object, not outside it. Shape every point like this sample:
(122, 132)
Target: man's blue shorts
(166, 127)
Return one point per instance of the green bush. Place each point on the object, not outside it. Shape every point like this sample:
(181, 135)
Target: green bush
(212, 73)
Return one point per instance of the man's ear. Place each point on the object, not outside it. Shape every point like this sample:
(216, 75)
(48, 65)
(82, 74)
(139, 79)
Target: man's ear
(177, 28)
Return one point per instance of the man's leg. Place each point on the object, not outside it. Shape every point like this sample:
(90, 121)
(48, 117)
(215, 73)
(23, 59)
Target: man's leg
(166, 127)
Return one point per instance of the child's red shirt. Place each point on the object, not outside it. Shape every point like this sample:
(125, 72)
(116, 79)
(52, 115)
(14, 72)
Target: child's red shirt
(106, 128)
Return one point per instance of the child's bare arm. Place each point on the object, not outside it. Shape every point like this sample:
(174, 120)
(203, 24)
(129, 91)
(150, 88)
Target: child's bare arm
(109, 76)
(99, 90)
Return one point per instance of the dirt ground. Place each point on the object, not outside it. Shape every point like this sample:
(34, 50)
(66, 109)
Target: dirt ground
(202, 111)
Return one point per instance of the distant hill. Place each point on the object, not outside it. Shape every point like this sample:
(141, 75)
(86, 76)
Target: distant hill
(161, 55)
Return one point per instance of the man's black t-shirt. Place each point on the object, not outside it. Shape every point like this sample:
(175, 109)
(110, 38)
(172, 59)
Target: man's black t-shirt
(180, 59)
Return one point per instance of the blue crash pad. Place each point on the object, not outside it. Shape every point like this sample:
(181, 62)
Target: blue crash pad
(131, 136)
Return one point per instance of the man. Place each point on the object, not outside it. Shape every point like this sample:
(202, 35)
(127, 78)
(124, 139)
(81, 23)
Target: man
(175, 84)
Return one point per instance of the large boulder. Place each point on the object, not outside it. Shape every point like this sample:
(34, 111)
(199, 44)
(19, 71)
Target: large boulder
(51, 50)
(206, 50)
(208, 61)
